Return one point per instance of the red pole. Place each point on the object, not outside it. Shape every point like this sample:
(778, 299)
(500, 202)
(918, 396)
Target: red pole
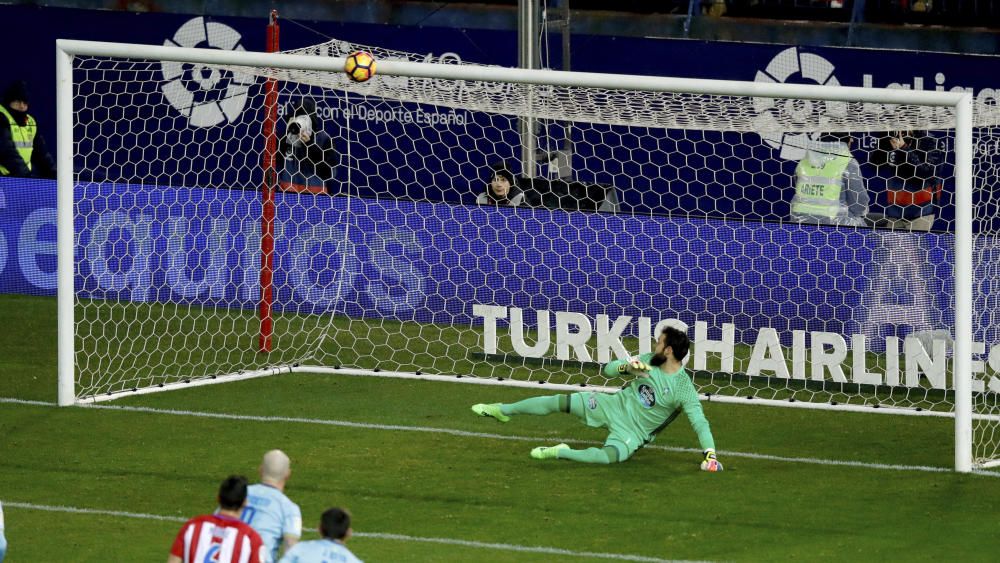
(267, 195)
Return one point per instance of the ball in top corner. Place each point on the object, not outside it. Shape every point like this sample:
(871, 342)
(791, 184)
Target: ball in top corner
(360, 66)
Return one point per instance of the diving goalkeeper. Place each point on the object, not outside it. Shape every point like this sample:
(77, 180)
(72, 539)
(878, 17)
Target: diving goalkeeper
(658, 392)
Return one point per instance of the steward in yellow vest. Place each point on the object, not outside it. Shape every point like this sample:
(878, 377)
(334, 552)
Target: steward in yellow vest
(829, 189)
(22, 150)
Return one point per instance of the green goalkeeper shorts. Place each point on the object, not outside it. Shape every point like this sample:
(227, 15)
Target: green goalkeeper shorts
(601, 410)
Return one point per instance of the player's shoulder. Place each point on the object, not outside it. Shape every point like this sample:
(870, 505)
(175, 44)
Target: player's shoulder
(211, 519)
(202, 518)
(228, 522)
(250, 532)
(302, 549)
(684, 378)
(261, 490)
(321, 547)
(680, 379)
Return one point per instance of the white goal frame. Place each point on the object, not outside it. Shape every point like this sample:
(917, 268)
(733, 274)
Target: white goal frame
(961, 103)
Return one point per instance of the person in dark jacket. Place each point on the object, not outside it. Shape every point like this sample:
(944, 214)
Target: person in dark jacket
(914, 190)
(306, 151)
(501, 187)
(23, 153)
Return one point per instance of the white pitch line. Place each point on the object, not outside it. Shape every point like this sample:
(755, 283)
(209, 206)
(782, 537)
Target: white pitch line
(372, 535)
(520, 548)
(92, 511)
(491, 436)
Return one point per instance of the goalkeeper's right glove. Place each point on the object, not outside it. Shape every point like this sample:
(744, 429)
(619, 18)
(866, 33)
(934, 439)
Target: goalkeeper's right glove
(710, 463)
(634, 367)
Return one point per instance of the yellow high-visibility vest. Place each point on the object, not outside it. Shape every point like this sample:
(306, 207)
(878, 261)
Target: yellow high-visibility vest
(24, 138)
(817, 190)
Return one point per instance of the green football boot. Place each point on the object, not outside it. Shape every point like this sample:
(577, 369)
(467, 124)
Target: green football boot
(490, 410)
(548, 452)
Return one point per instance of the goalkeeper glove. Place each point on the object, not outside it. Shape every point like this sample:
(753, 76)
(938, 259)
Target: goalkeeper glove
(710, 463)
(634, 367)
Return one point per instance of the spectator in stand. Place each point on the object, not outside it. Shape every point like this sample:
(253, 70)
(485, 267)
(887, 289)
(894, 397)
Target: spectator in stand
(568, 195)
(913, 191)
(220, 537)
(23, 153)
(276, 518)
(504, 188)
(335, 527)
(829, 188)
(306, 153)
(501, 187)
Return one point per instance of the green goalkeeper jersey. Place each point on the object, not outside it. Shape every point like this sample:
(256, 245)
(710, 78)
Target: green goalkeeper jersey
(648, 404)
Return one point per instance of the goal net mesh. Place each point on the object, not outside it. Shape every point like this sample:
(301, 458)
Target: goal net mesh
(634, 207)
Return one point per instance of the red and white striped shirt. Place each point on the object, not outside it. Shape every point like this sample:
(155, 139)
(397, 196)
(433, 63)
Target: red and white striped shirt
(218, 538)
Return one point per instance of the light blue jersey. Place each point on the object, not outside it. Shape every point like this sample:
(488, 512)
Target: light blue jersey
(272, 515)
(3, 540)
(319, 551)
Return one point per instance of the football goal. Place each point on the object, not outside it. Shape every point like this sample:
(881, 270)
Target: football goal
(225, 215)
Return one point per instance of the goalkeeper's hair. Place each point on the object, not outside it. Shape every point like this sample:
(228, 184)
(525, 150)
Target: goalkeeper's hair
(678, 342)
(233, 492)
(334, 523)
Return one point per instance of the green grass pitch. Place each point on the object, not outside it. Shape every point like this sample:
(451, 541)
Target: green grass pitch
(428, 481)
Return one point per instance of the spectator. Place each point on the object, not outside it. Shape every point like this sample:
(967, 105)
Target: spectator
(276, 518)
(713, 8)
(910, 159)
(335, 527)
(829, 189)
(501, 188)
(220, 537)
(913, 193)
(23, 153)
(306, 151)
(572, 196)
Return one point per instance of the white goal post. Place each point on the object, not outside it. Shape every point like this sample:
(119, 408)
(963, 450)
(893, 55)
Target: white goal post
(100, 209)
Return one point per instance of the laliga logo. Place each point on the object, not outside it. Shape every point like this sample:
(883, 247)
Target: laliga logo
(206, 96)
(775, 116)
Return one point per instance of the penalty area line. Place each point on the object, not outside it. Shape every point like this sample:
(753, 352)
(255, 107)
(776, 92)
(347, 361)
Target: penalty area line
(369, 535)
(492, 436)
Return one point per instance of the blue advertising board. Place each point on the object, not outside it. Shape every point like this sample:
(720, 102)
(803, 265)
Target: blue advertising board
(432, 262)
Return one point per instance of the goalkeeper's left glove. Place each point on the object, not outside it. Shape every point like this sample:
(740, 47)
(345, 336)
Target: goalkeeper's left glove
(634, 367)
(710, 463)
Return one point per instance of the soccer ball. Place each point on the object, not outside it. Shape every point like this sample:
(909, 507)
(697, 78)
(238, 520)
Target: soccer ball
(360, 66)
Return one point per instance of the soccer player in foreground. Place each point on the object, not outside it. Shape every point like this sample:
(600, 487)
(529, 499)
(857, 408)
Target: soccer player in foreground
(3, 540)
(276, 518)
(335, 527)
(220, 537)
(660, 390)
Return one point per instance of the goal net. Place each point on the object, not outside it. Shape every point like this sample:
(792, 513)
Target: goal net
(237, 216)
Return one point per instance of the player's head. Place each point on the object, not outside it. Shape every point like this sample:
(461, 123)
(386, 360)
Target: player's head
(276, 467)
(233, 492)
(335, 524)
(672, 343)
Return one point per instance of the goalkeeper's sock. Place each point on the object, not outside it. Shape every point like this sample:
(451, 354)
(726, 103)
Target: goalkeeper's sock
(590, 455)
(538, 405)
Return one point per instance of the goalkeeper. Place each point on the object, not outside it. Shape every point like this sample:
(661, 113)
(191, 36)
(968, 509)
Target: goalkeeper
(658, 391)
